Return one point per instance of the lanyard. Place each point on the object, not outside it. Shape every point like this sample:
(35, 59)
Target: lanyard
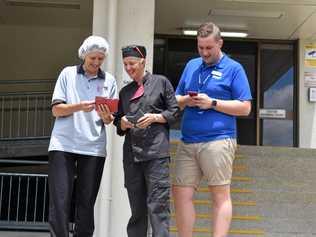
(202, 83)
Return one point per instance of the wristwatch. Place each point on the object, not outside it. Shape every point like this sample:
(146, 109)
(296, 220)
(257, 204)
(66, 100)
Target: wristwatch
(214, 104)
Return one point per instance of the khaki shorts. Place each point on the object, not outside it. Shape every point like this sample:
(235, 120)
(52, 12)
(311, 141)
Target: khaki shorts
(213, 160)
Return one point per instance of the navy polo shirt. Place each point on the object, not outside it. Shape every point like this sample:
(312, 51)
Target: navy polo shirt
(225, 80)
(81, 132)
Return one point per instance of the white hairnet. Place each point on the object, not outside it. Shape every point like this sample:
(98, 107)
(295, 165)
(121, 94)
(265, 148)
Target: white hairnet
(93, 44)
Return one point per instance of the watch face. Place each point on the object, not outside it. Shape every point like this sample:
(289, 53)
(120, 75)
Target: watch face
(214, 103)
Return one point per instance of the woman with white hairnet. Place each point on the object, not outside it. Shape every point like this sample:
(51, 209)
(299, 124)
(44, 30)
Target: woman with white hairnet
(78, 141)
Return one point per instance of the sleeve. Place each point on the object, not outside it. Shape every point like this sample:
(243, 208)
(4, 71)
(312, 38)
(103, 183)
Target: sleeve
(172, 109)
(60, 91)
(181, 86)
(118, 117)
(240, 85)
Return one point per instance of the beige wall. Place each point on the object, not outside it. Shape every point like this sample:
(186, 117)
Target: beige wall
(38, 52)
(307, 110)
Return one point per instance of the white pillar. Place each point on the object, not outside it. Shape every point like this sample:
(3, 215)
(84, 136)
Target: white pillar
(104, 24)
(135, 25)
(121, 22)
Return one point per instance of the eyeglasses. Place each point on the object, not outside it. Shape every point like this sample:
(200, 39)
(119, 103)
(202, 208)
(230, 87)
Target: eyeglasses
(131, 48)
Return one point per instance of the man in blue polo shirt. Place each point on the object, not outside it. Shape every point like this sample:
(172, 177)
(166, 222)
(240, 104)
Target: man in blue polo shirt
(213, 90)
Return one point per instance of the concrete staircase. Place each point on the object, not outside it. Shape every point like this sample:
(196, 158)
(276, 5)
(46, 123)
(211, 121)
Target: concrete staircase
(273, 193)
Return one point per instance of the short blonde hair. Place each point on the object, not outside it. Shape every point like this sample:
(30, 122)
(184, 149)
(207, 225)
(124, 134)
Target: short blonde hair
(209, 28)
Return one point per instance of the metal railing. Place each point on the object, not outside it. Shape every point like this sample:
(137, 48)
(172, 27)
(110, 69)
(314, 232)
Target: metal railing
(25, 111)
(25, 116)
(24, 199)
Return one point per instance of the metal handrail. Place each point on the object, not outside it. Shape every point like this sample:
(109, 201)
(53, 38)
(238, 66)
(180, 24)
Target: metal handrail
(32, 81)
(25, 115)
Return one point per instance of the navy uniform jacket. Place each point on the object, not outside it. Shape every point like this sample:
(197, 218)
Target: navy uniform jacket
(153, 141)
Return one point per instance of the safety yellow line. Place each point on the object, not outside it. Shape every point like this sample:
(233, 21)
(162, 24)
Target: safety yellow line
(240, 231)
(233, 190)
(235, 167)
(238, 156)
(244, 203)
(242, 179)
(236, 217)
(239, 168)
(173, 153)
(234, 178)
(235, 203)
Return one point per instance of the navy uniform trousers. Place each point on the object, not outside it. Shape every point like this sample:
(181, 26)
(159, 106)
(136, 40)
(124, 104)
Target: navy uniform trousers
(63, 167)
(148, 188)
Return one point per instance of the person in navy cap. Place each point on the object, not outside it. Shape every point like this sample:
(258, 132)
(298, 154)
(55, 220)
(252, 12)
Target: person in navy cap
(78, 142)
(146, 109)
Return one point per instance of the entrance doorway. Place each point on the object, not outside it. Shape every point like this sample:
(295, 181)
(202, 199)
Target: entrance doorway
(271, 71)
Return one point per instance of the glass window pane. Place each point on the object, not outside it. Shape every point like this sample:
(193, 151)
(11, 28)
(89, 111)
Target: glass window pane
(277, 132)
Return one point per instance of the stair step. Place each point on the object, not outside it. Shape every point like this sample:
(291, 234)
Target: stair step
(233, 190)
(242, 179)
(232, 231)
(235, 203)
(235, 217)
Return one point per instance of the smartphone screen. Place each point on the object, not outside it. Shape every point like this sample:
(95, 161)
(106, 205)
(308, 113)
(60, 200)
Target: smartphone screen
(192, 93)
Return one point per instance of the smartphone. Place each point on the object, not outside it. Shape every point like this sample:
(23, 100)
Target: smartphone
(133, 118)
(192, 93)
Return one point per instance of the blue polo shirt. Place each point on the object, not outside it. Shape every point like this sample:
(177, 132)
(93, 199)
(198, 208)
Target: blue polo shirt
(81, 132)
(225, 80)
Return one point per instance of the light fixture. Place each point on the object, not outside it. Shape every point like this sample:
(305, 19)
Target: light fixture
(236, 34)
(189, 32)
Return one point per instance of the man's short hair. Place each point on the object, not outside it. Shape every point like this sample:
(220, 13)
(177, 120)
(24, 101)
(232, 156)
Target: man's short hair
(209, 28)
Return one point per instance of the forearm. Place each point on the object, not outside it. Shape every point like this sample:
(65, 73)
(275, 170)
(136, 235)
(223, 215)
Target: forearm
(233, 107)
(62, 110)
(182, 101)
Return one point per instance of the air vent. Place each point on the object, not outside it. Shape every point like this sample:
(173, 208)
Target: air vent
(246, 13)
(44, 3)
(279, 2)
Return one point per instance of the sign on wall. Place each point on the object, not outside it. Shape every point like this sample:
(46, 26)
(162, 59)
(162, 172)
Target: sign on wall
(272, 113)
(310, 65)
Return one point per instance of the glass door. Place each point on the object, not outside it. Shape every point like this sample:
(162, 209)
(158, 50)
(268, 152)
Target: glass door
(277, 113)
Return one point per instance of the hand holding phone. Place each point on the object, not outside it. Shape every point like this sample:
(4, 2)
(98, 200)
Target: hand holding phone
(133, 118)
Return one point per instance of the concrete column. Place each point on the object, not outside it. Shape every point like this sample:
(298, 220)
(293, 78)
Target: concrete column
(121, 22)
(104, 24)
(135, 25)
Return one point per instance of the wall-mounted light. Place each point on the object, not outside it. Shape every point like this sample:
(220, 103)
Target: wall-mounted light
(223, 33)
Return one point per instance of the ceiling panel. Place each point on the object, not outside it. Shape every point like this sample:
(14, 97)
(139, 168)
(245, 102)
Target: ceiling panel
(69, 13)
(295, 17)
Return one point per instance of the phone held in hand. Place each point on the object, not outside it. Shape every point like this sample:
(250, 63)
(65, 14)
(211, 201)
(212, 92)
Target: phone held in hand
(133, 118)
(111, 103)
(192, 93)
